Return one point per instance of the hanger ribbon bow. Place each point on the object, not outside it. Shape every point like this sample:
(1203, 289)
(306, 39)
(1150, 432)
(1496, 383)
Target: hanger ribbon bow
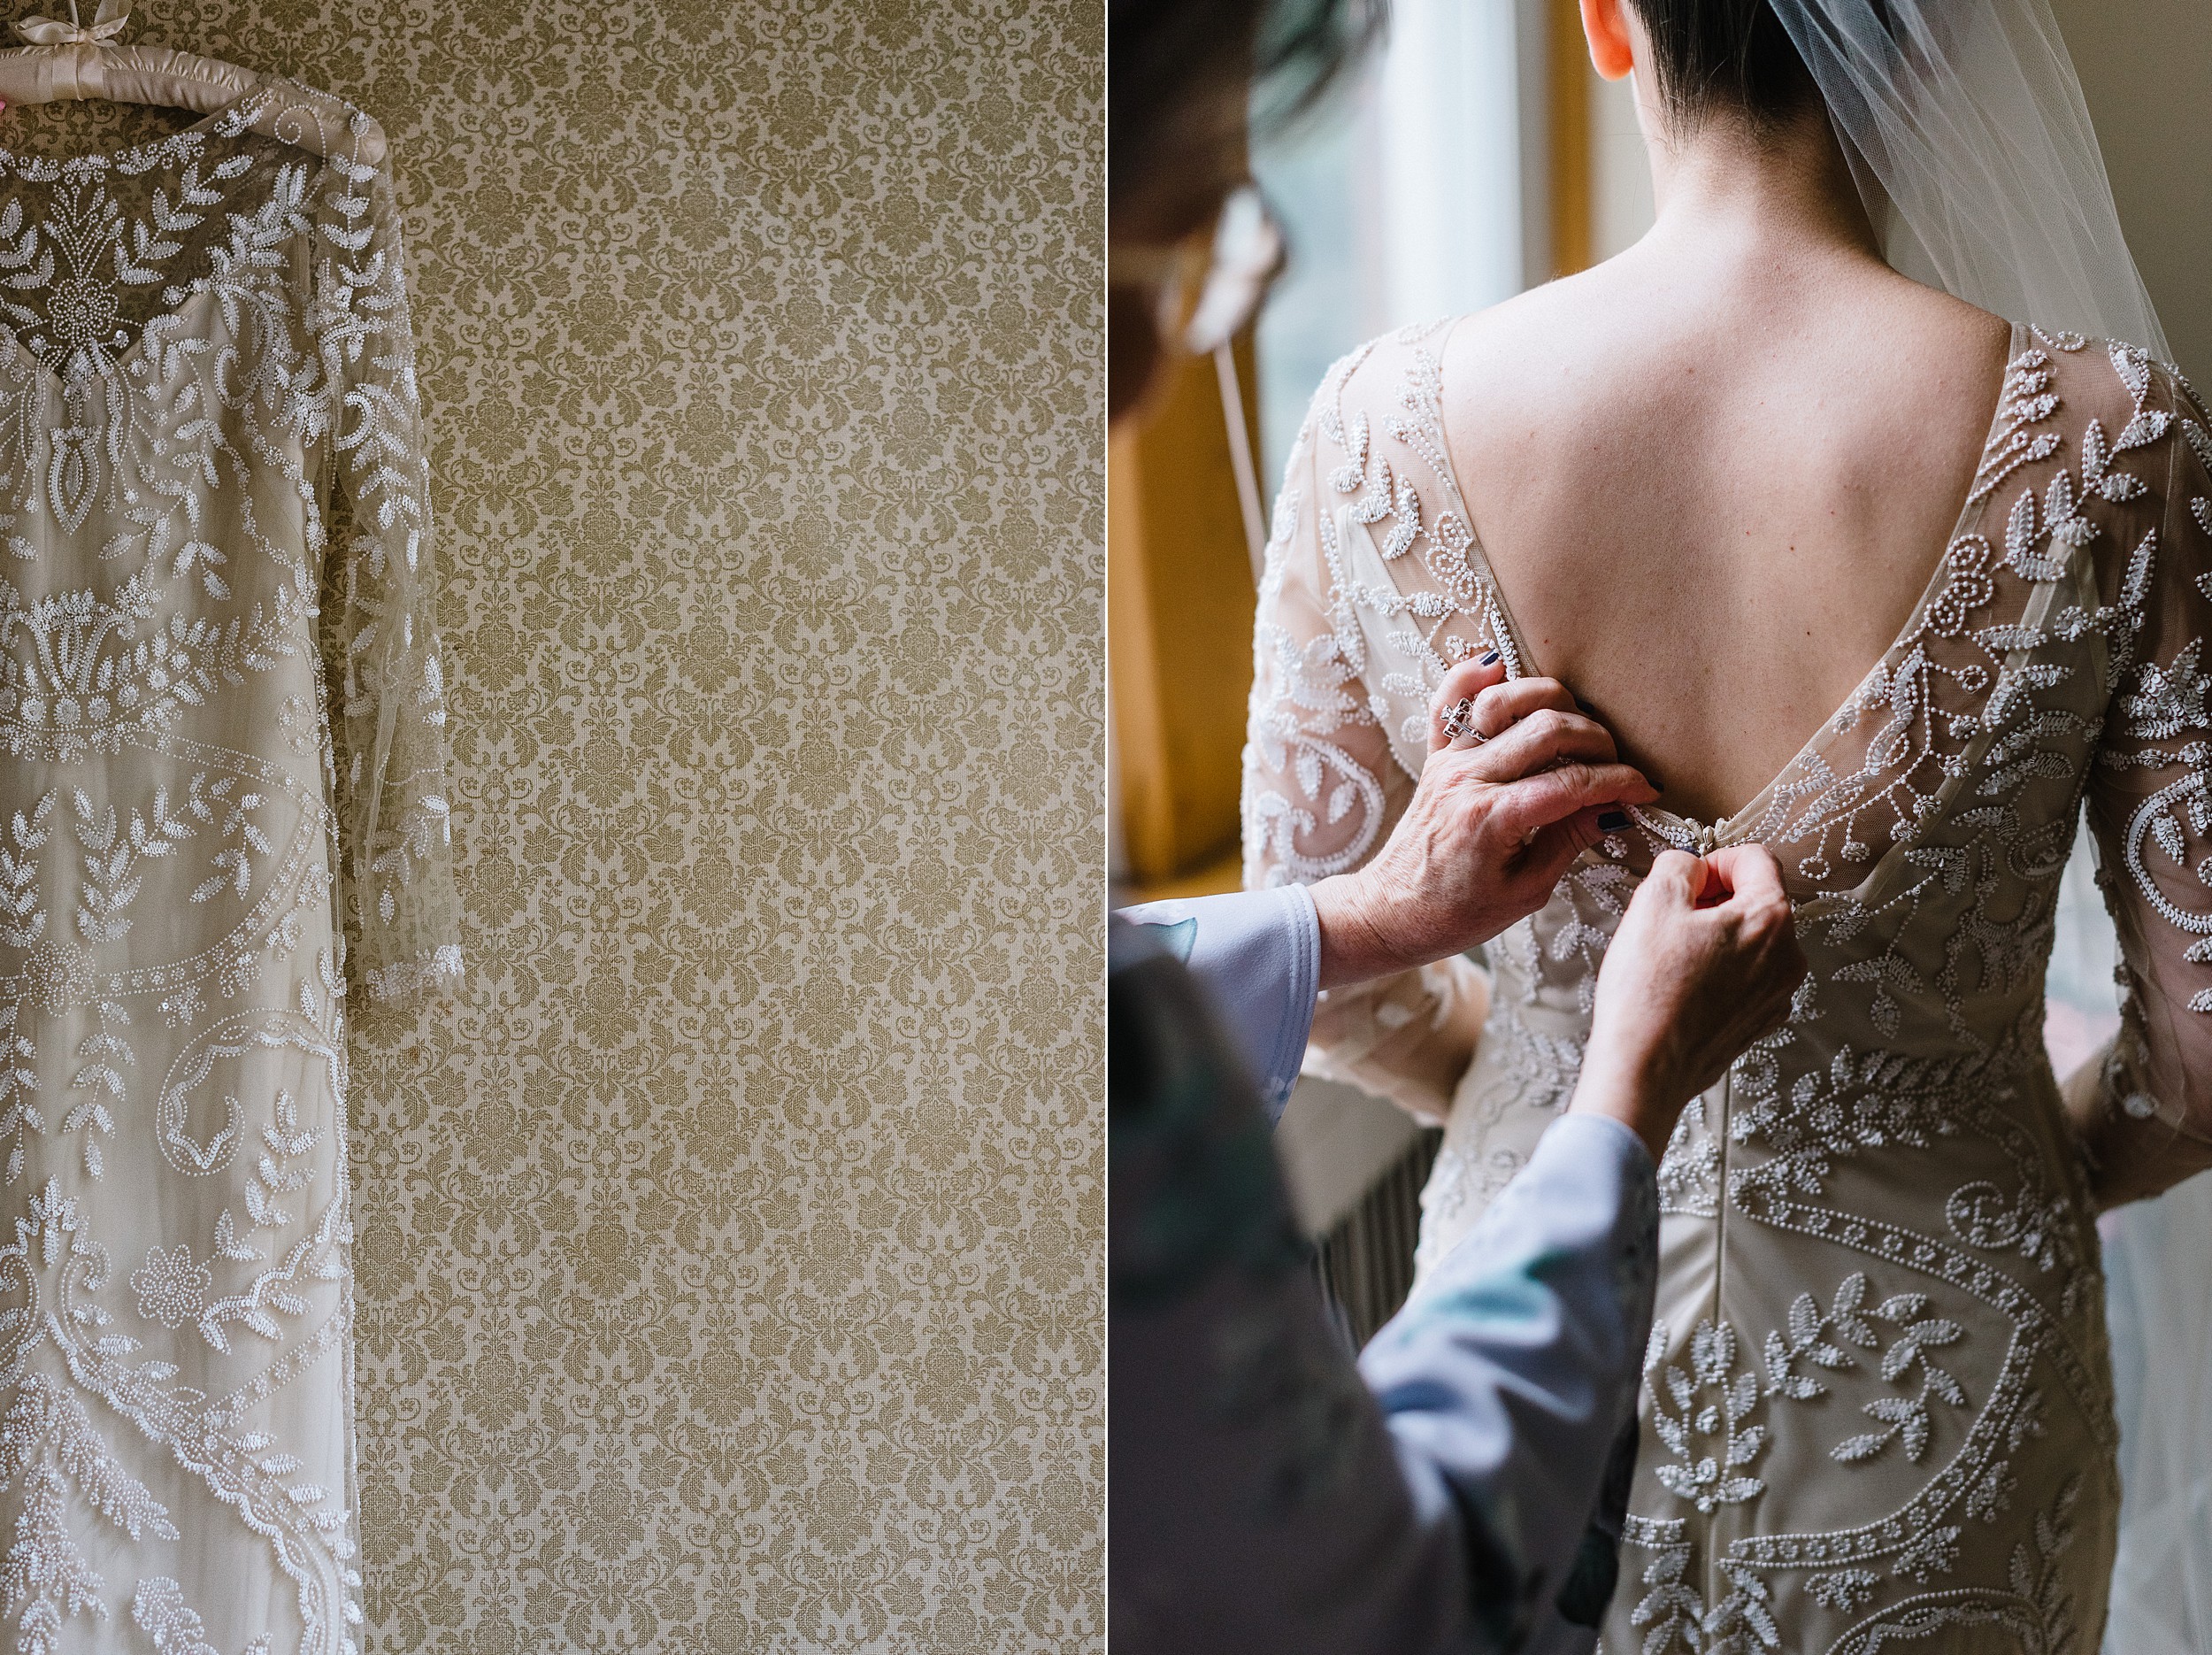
(49, 31)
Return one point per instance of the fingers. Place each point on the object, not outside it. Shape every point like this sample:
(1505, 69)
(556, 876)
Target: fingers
(1464, 682)
(1536, 802)
(1542, 740)
(1748, 871)
(1675, 877)
(1498, 704)
(1746, 886)
(1502, 706)
(1747, 889)
(1472, 676)
(1553, 849)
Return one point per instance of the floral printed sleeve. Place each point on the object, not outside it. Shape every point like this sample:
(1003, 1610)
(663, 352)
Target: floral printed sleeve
(389, 687)
(1323, 781)
(2146, 1110)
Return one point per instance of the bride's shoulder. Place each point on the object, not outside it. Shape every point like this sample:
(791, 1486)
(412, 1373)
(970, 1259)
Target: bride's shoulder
(1372, 376)
(1401, 379)
(2136, 427)
(1377, 401)
(1558, 355)
(2128, 429)
(2164, 386)
(2121, 386)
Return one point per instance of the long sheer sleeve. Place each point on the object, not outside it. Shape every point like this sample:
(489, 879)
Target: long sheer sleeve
(1323, 785)
(2145, 1108)
(389, 682)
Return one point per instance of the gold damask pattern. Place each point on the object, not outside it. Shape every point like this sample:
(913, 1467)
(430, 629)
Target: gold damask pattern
(727, 1253)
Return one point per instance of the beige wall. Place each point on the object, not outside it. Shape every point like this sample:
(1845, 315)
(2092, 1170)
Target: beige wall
(728, 1256)
(2145, 71)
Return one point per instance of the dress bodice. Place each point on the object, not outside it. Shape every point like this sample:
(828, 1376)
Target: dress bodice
(206, 379)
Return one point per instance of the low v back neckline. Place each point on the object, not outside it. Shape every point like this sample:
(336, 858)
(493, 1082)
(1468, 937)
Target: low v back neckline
(1689, 832)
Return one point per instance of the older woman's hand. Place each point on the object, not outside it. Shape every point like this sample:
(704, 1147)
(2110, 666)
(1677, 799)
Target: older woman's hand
(1501, 811)
(1703, 962)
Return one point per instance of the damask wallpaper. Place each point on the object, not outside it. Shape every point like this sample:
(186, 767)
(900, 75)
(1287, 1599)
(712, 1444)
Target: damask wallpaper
(728, 1254)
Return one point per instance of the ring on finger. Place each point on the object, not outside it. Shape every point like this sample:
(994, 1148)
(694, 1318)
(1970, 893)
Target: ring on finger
(1460, 728)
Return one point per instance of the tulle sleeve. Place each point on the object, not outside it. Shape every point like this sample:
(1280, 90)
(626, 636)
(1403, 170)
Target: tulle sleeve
(2145, 1108)
(388, 678)
(1322, 789)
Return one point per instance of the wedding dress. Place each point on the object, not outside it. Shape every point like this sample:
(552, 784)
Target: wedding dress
(207, 348)
(1878, 1404)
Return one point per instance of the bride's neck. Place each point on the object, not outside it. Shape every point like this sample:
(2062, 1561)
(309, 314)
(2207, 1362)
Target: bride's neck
(1721, 184)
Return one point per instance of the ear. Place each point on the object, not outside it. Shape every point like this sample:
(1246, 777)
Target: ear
(1606, 25)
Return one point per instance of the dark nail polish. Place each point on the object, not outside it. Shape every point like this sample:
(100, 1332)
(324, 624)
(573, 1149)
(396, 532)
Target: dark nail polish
(1488, 658)
(1612, 821)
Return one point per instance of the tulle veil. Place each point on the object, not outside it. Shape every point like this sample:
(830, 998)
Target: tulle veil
(1964, 124)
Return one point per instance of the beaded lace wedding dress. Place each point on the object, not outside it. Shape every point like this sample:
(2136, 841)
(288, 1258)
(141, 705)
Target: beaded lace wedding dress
(1878, 1404)
(213, 700)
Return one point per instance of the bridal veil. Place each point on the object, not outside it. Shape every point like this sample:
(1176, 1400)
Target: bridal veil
(1964, 125)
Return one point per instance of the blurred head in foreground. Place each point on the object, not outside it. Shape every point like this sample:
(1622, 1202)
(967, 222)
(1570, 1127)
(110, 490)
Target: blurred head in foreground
(1188, 81)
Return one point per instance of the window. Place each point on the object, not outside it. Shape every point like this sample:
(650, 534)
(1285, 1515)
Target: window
(1420, 190)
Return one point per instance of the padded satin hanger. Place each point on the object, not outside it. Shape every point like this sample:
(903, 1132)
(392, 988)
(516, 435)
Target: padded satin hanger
(76, 60)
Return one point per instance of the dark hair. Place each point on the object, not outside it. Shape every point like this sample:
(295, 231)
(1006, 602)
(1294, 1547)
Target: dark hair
(1185, 76)
(1728, 57)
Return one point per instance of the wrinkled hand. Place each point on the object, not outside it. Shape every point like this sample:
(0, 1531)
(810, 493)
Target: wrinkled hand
(1489, 832)
(1704, 963)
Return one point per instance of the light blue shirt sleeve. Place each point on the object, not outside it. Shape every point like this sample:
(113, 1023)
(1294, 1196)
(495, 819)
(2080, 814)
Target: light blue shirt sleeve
(1256, 954)
(1507, 1381)
(1262, 1500)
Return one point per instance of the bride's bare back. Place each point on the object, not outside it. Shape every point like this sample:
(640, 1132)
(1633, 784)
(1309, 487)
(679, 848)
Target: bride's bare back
(1713, 475)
